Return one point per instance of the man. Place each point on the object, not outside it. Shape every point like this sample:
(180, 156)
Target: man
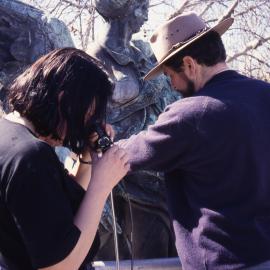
(213, 146)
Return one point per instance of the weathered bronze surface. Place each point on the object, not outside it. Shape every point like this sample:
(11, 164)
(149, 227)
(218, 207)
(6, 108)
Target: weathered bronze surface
(26, 33)
(135, 105)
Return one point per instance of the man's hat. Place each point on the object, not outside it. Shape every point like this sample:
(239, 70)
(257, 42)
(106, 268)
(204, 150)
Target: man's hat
(177, 33)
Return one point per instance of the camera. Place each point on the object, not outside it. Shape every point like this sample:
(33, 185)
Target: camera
(103, 142)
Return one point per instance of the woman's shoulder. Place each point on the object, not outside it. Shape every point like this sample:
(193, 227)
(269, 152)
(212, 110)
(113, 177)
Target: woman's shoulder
(19, 143)
(35, 150)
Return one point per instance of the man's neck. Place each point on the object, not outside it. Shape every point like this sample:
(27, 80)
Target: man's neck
(207, 73)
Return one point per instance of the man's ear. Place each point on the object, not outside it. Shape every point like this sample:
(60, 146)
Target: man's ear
(190, 67)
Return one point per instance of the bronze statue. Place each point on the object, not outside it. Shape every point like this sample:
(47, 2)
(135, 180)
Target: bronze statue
(26, 33)
(135, 104)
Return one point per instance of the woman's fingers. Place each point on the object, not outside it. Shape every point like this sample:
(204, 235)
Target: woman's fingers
(93, 138)
(114, 148)
(110, 131)
(119, 152)
(127, 166)
(124, 158)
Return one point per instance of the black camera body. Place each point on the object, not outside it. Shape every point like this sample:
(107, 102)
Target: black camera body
(103, 142)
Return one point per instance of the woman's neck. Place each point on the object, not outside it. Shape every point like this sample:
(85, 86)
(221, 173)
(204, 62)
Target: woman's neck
(17, 118)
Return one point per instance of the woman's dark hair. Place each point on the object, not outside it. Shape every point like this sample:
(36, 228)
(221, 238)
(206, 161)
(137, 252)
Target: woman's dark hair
(207, 50)
(61, 87)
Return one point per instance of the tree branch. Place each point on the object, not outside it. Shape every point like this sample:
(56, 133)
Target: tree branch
(259, 60)
(206, 8)
(77, 5)
(250, 46)
(180, 10)
(229, 12)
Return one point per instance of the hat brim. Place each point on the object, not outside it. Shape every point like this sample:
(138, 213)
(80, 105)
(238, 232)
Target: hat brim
(220, 28)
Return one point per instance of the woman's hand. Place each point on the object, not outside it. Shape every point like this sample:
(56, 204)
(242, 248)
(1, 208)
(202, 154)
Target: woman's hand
(86, 155)
(109, 131)
(108, 170)
(83, 169)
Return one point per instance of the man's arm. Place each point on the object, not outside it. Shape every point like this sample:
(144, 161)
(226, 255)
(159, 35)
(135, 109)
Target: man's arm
(164, 145)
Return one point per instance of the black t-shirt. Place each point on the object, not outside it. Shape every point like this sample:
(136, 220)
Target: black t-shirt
(38, 200)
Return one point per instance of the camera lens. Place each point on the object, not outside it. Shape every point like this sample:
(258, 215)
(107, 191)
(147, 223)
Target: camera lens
(104, 141)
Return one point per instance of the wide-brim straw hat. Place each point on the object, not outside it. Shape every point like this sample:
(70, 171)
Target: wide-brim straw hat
(178, 33)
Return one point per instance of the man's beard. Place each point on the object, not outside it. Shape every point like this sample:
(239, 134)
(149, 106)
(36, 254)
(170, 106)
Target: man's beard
(190, 90)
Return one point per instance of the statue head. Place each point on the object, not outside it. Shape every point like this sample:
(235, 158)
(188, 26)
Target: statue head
(134, 12)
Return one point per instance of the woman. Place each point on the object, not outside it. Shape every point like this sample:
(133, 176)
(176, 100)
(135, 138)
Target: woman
(49, 219)
(135, 104)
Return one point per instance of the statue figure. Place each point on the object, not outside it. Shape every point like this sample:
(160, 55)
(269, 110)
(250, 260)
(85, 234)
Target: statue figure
(135, 104)
(26, 33)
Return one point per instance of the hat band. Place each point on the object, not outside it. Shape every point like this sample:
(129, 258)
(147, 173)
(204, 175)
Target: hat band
(182, 43)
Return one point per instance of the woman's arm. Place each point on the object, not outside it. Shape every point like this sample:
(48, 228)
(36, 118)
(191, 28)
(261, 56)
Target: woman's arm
(107, 172)
(83, 171)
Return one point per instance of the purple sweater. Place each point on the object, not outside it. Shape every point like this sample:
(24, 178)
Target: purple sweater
(214, 148)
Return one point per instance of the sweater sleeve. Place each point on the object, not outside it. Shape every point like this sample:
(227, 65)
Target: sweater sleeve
(164, 145)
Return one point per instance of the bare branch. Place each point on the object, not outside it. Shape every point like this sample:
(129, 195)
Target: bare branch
(206, 8)
(180, 10)
(250, 46)
(77, 5)
(230, 11)
(259, 60)
(246, 11)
